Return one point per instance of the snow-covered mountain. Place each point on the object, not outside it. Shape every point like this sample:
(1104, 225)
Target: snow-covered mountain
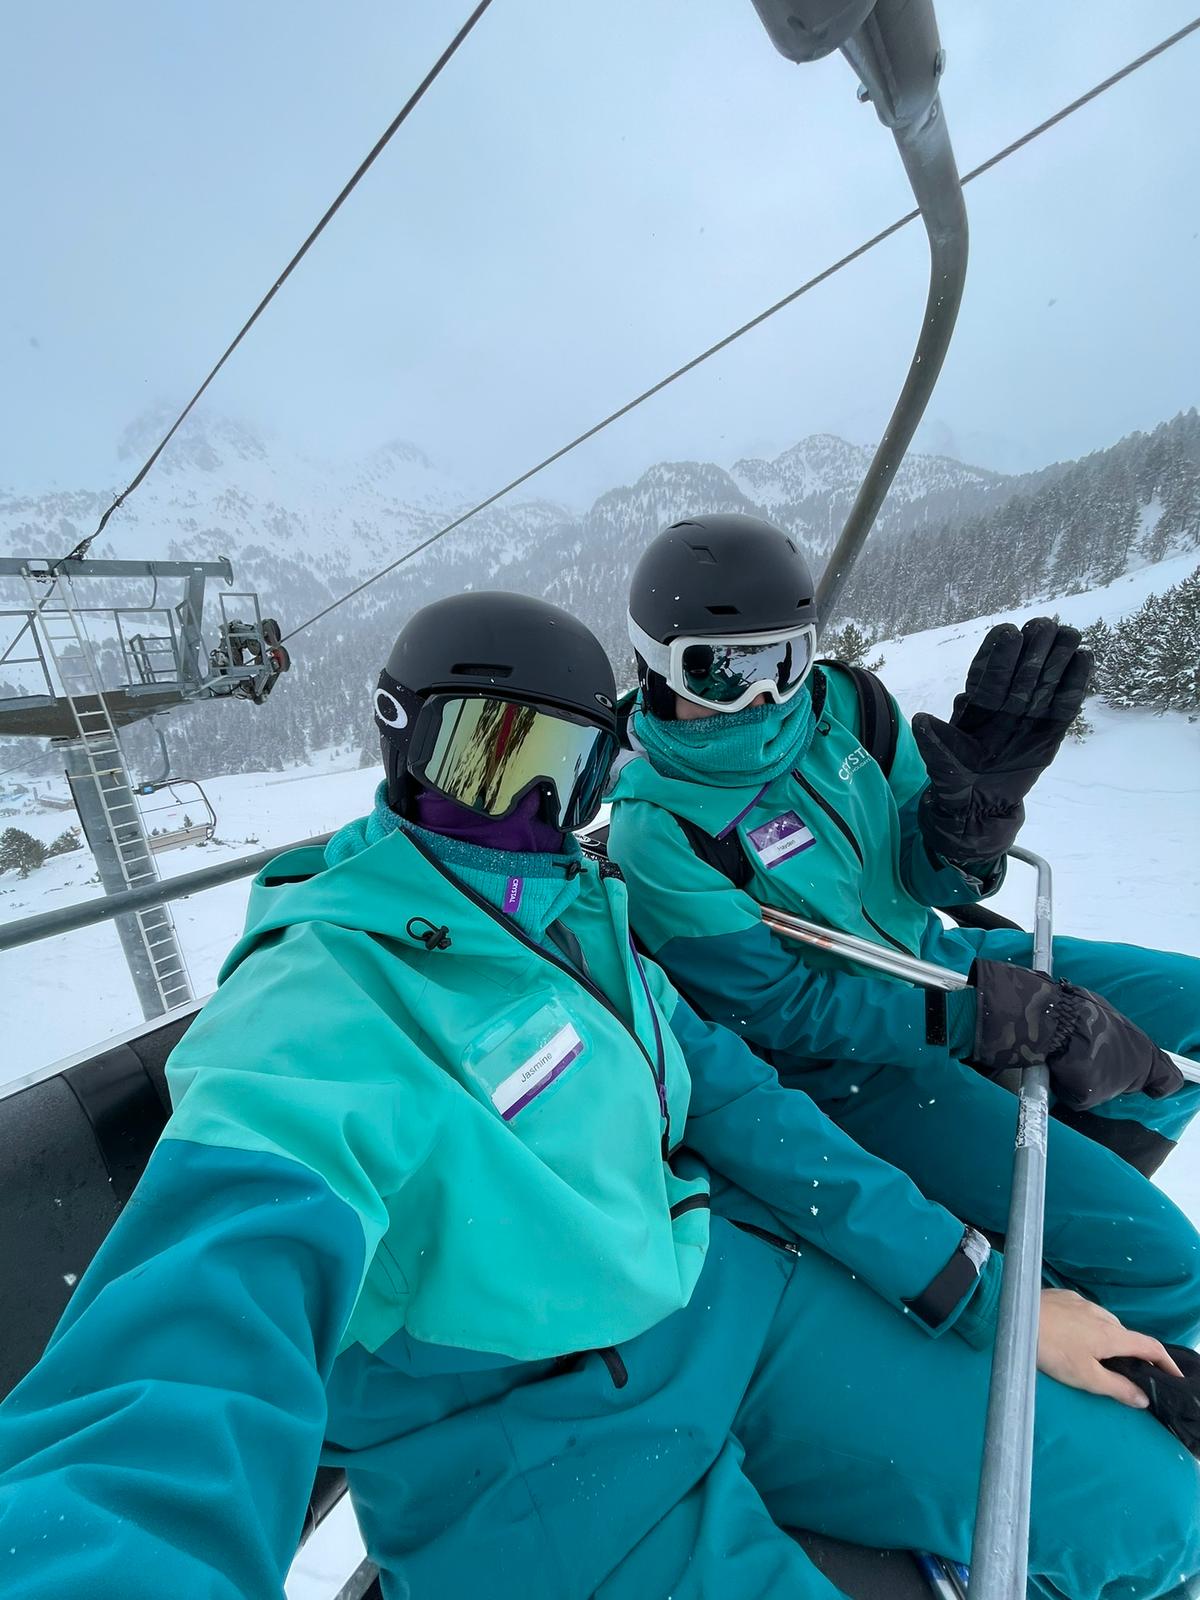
(299, 530)
(221, 488)
(953, 540)
(812, 486)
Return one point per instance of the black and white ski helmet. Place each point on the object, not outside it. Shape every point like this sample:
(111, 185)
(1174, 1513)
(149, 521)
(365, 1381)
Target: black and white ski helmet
(510, 646)
(712, 577)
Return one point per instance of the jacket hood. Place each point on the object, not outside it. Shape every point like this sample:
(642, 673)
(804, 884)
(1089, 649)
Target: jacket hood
(388, 890)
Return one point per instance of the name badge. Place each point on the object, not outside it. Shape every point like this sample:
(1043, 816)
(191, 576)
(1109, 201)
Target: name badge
(538, 1073)
(778, 840)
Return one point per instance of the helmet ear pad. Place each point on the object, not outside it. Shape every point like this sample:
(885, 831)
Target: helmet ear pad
(657, 694)
(401, 789)
(396, 710)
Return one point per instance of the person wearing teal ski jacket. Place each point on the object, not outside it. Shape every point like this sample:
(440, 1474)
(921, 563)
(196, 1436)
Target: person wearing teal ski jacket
(459, 1195)
(787, 792)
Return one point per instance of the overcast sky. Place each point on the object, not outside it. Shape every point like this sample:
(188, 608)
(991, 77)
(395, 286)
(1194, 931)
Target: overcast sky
(590, 194)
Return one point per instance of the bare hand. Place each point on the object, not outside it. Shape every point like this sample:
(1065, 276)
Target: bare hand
(1075, 1335)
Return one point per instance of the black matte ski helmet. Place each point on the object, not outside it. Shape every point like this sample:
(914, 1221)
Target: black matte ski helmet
(714, 576)
(476, 649)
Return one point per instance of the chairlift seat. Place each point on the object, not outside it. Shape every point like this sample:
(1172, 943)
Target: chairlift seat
(74, 1143)
(176, 838)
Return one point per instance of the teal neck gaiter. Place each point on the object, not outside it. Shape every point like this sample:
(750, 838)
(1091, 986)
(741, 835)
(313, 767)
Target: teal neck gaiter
(533, 888)
(733, 751)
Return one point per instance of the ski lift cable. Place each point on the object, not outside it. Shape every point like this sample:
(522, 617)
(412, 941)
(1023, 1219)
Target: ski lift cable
(746, 327)
(29, 761)
(81, 549)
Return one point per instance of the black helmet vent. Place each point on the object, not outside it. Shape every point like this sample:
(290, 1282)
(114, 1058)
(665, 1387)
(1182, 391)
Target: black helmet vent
(722, 611)
(480, 669)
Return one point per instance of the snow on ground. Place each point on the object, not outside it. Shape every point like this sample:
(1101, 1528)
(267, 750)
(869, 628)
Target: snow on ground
(254, 812)
(1118, 816)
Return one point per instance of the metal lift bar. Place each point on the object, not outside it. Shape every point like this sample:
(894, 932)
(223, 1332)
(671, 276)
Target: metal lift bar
(894, 47)
(1000, 1548)
(1000, 1551)
(87, 913)
(926, 974)
(41, 567)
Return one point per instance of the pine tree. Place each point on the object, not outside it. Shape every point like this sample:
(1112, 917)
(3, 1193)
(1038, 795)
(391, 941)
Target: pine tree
(850, 644)
(1152, 658)
(20, 852)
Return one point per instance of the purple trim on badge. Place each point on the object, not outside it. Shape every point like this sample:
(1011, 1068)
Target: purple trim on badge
(512, 896)
(745, 811)
(768, 838)
(533, 1092)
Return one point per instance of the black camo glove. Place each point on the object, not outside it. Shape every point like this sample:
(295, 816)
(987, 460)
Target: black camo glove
(1024, 689)
(1174, 1401)
(1094, 1053)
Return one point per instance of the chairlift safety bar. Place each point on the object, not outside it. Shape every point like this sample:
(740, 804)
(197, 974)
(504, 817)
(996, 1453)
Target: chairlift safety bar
(897, 963)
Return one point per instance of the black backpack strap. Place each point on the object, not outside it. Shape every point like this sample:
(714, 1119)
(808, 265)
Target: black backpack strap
(725, 853)
(878, 725)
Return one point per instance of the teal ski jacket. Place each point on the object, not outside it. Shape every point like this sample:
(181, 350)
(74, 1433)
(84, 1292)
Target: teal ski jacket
(406, 1116)
(835, 841)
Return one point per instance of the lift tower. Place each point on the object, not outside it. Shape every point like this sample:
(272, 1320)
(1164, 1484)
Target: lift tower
(97, 669)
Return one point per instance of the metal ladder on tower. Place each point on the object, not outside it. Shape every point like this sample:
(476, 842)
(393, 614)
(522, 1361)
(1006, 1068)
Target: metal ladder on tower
(99, 767)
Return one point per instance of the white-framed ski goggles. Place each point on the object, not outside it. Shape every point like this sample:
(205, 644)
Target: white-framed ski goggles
(727, 671)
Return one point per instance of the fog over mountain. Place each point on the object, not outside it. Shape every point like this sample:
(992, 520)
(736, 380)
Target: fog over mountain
(953, 541)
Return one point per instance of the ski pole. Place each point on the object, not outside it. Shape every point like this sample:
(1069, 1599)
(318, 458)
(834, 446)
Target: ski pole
(933, 1569)
(925, 974)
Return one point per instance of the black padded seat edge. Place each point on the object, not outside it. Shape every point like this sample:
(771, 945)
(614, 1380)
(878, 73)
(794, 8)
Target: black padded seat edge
(861, 1574)
(126, 1109)
(56, 1206)
(866, 1574)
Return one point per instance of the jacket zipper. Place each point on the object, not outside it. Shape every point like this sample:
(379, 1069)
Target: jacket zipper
(658, 1073)
(848, 832)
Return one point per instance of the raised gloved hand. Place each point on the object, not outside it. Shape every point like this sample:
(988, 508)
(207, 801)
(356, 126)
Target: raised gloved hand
(1024, 689)
(1094, 1053)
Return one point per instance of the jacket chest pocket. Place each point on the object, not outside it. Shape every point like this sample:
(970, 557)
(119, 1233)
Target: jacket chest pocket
(525, 1055)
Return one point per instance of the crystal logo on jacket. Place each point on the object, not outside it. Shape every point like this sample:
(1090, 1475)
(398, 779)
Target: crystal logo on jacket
(854, 762)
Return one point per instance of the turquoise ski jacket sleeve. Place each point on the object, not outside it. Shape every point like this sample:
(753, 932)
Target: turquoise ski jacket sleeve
(166, 1442)
(741, 975)
(328, 1100)
(778, 1146)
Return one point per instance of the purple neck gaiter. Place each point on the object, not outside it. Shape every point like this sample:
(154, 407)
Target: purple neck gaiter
(524, 830)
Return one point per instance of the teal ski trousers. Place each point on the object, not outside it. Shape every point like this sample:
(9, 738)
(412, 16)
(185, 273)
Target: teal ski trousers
(786, 1394)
